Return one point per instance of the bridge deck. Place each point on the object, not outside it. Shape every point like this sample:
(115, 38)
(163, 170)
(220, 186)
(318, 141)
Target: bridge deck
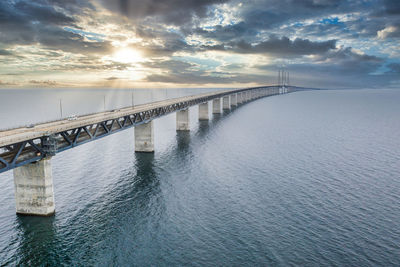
(25, 145)
(12, 136)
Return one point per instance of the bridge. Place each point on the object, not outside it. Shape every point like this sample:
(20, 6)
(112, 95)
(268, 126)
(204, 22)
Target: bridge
(28, 150)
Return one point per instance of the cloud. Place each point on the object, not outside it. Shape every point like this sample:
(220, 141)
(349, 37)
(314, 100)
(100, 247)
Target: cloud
(20, 20)
(39, 22)
(227, 33)
(283, 47)
(388, 32)
(4, 52)
(6, 84)
(392, 7)
(113, 78)
(394, 68)
(46, 83)
(340, 62)
(170, 11)
(200, 42)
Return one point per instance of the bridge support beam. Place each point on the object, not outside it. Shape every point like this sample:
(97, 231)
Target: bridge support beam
(144, 137)
(182, 120)
(34, 194)
(225, 103)
(233, 98)
(239, 98)
(203, 111)
(216, 105)
(247, 96)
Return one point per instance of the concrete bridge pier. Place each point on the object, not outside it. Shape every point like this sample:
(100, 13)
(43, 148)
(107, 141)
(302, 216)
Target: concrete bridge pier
(34, 194)
(239, 98)
(144, 137)
(182, 120)
(203, 111)
(233, 98)
(216, 103)
(225, 103)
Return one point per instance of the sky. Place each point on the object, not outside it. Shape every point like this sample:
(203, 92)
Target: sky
(199, 43)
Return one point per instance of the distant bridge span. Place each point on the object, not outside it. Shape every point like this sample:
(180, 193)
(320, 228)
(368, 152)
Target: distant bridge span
(28, 150)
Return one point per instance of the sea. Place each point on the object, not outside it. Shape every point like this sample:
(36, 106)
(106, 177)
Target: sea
(310, 178)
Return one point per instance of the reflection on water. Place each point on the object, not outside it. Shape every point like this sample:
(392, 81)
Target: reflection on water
(37, 239)
(183, 141)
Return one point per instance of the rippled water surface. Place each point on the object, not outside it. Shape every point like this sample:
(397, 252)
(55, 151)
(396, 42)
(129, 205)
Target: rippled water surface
(309, 178)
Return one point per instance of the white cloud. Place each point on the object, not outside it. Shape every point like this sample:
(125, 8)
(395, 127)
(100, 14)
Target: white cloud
(383, 34)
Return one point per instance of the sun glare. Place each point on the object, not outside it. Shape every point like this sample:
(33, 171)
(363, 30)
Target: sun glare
(126, 55)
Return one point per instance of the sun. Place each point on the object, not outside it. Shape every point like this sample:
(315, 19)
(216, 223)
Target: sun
(127, 55)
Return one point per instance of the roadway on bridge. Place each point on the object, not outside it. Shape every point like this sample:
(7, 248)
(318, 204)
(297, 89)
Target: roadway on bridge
(12, 136)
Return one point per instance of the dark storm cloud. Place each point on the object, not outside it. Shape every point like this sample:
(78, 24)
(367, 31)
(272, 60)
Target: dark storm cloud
(169, 11)
(392, 7)
(20, 20)
(228, 33)
(46, 14)
(33, 22)
(283, 47)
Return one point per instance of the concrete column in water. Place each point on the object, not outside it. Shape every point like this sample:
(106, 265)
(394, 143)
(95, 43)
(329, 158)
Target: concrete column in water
(144, 137)
(182, 120)
(203, 111)
(216, 105)
(233, 98)
(33, 183)
(225, 103)
(239, 98)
